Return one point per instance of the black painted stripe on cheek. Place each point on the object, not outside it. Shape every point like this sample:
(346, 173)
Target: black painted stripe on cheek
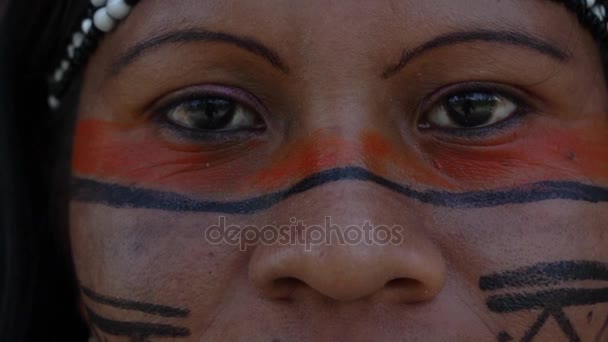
(544, 274)
(152, 309)
(136, 329)
(550, 298)
(86, 190)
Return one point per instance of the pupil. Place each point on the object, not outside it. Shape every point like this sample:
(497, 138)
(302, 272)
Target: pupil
(470, 110)
(211, 113)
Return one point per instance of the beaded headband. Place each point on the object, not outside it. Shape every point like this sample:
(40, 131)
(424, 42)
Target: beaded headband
(104, 15)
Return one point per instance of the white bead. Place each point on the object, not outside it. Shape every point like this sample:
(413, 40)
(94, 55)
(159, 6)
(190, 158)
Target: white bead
(589, 3)
(86, 25)
(599, 11)
(58, 75)
(118, 9)
(98, 3)
(103, 21)
(53, 102)
(77, 39)
(71, 51)
(65, 65)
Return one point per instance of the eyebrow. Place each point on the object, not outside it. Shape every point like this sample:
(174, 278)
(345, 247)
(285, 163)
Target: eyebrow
(513, 38)
(198, 35)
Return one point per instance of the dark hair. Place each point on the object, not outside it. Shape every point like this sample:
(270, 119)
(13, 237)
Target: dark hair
(38, 291)
(38, 294)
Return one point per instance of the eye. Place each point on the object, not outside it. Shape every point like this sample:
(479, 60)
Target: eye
(470, 109)
(208, 113)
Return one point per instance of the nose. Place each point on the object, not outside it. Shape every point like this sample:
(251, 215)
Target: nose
(409, 268)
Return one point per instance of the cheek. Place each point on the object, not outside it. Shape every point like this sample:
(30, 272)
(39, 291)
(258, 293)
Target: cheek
(481, 241)
(149, 256)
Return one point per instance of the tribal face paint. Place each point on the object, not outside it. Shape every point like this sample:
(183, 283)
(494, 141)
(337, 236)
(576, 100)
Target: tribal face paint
(185, 168)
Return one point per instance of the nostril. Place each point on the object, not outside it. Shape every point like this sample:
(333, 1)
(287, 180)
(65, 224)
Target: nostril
(283, 288)
(407, 289)
(406, 285)
(287, 282)
(401, 283)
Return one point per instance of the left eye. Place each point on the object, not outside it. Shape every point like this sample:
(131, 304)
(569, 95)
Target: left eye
(471, 110)
(213, 114)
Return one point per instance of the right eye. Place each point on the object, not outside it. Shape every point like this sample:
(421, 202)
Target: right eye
(215, 114)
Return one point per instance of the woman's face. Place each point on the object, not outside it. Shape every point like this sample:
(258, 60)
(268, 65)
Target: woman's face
(331, 170)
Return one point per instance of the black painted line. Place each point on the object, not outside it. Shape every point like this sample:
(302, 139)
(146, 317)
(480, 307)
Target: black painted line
(535, 328)
(544, 274)
(603, 332)
(114, 195)
(547, 299)
(153, 309)
(136, 329)
(566, 325)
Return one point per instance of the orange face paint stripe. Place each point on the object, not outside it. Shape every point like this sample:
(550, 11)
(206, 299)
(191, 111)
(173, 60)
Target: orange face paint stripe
(137, 155)
(548, 154)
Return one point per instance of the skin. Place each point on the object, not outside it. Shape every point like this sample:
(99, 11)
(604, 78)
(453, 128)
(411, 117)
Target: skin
(332, 103)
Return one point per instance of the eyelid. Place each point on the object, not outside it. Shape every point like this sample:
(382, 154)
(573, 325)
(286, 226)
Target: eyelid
(519, 97)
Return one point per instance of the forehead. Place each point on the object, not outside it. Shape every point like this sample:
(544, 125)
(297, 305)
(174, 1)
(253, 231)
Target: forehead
(340, 24)
(295, 13)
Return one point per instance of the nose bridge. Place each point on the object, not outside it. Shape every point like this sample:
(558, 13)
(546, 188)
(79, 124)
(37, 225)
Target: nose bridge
(342, 107)
(335, 128)
(340, 87)
(343, 101)
(352, 250)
